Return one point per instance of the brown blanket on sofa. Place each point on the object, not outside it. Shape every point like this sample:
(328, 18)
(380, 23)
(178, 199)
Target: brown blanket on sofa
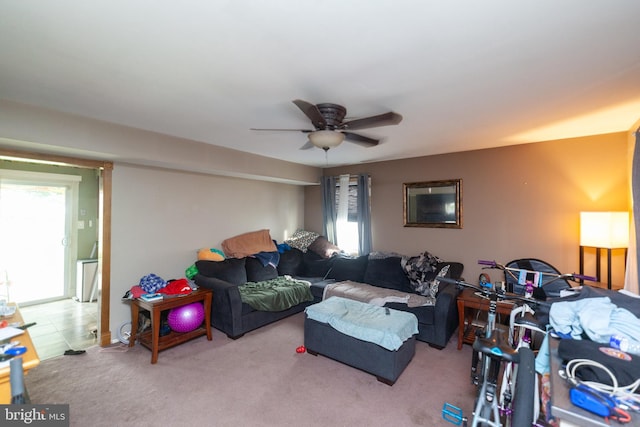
(373, 294)
(248, 244)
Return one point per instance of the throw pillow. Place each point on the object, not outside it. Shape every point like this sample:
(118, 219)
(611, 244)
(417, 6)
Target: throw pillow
(430, 283)
(301, 239)
(324, 247)
(433, 287)
(418, 268)
(348, 269)
(210, 254)
(231, 270)
(256, 272)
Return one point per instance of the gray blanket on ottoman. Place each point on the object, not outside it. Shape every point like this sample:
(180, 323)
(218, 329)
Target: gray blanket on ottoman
(366, 322)
(374, 295)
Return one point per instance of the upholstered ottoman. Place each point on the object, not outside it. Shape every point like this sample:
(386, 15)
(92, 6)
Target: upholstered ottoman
(377, 340)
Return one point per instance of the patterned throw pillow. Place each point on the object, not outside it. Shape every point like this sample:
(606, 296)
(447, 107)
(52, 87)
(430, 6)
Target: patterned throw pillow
(433, 287)
(420, 271)
(302, 239)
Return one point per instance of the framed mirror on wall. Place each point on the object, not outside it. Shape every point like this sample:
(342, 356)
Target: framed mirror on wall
(433, 204)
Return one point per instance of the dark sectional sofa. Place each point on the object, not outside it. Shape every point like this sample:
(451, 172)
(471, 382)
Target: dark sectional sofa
(229, 314)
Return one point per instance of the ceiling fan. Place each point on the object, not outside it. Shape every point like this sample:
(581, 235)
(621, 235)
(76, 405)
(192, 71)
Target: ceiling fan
(330, 129)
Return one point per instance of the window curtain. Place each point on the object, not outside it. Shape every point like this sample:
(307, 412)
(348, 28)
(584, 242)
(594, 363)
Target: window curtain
(364, 215)
(631, 277)
(328, 187)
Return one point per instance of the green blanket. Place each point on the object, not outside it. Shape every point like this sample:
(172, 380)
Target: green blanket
(276, 294)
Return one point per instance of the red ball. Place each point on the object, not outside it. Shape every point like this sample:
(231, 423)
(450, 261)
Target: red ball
(301, 349)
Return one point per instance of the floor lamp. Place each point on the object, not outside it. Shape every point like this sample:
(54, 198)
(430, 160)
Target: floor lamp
(603, 230)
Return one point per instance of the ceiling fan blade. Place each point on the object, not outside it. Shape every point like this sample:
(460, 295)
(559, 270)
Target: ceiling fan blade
(312, 112)
(385, 119)
(361, 139)
(284, 130)
(309, 145)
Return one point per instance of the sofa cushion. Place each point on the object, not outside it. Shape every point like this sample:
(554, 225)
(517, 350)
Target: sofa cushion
(290, 262)
(317, 286)
(324, 247)
(256, 272)
(425, 314)
(315, 265)
(231, 270)
(348, 269)
(387, 273)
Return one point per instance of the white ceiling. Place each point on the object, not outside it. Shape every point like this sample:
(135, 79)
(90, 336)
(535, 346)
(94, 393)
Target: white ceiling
(464, 74)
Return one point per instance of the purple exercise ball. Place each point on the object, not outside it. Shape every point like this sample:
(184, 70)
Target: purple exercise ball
(186, 318)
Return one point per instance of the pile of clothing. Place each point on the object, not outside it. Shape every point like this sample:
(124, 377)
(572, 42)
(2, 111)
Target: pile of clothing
(152, 283)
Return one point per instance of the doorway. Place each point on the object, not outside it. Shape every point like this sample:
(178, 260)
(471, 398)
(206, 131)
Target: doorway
(103, 170)
(39, 235)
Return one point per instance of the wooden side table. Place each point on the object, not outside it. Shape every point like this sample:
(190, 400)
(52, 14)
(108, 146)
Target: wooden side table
(152, 339)
(467, 301)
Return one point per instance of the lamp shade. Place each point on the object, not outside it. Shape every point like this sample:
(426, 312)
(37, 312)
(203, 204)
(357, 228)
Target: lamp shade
(604, 229)
(326, 139)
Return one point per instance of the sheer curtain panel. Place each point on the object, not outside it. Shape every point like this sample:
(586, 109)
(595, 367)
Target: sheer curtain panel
(364, 214)
(328, 186)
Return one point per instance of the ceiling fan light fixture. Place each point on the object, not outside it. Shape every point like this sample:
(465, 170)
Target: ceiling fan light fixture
(326, 139)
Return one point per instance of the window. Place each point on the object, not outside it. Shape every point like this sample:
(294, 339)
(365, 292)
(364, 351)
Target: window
(346, 208)
(347, 217)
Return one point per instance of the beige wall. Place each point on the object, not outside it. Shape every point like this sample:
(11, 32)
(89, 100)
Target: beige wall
(160, 218)
(518, 201)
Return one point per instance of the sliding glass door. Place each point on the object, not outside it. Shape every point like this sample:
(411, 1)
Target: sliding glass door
(37, 235)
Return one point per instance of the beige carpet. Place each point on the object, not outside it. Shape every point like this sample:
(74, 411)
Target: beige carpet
(257, 380)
